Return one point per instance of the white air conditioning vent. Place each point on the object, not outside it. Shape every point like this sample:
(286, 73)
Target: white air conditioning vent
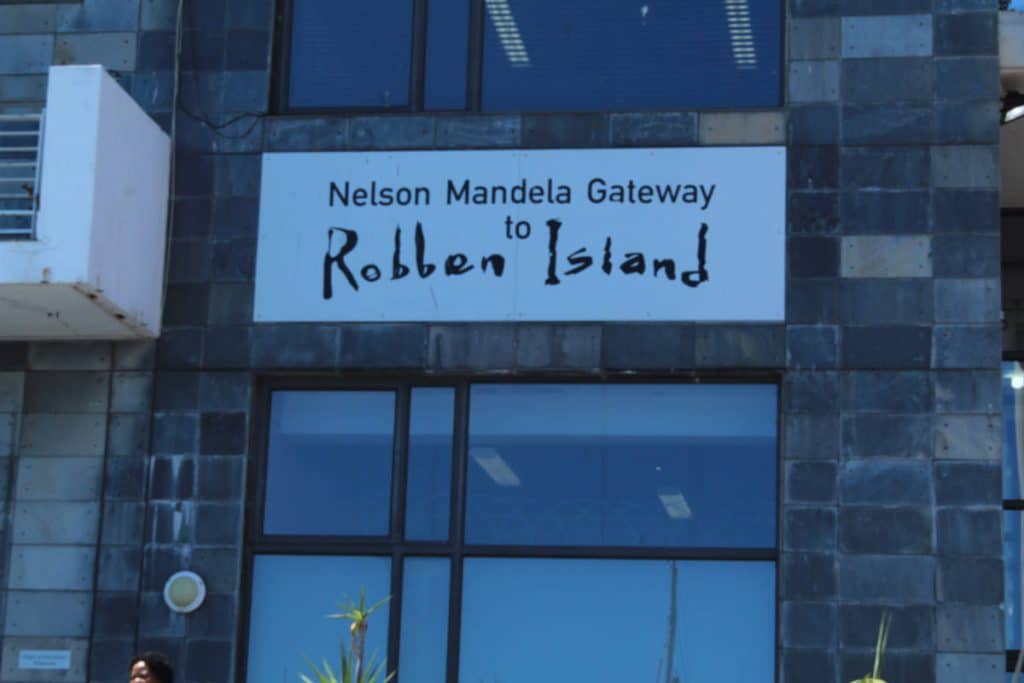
(83, 214)
(21, 142)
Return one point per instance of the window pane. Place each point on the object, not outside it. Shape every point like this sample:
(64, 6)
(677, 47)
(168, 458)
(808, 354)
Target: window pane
(607, 54)
(431, 426)
(329, 463)
(617, 620)
(350, 54)
(626, 465)
(1013, 435)
(424, 649)
(447, 54)
(1012, 577)
(291, 596)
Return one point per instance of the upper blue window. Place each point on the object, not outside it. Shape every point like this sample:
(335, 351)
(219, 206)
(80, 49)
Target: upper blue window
(532, 55)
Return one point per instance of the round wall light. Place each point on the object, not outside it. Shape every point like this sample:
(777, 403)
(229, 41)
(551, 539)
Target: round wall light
(184, 592)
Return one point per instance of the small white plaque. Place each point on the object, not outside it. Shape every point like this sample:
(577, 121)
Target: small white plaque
(45, 660)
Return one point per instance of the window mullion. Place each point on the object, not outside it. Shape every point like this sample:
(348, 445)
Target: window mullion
(399, 487)
(457, 527)
(418, 55)
(474, 65)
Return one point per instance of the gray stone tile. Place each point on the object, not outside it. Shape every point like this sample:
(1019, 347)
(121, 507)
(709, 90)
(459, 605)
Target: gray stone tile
(907, 301)
(292, 134)
(49, 523)
(119, 568)
(885, 482)
(967, 483)
(889, 347)
(294, 346)
(882, 256)
(969, 532)
(115, 51)
(66, 392)
(966, 166)
(913, 626)
(30, 88)
(654, 129)
(808, 576)
(808, 624)
(811, 437)
(968, 33)
(12, 391)
(816, 38)
(57, 434)
(28, 19)
(64, 568)
(565, 130)
(391, 132)
(887, 391)
(809, 529)
(885, 530)
(66, 479)
(25, 54)
(969, 628)
(967, 300)
(888, 436)
(742, 128)
(48, 613)
(967, 347)
(904, 580)
(967, 391)
(956, 668)
(813, 81)
(132, 392)
(382, 346)
(740, 346)
(98, 15)
(811, 348)
(478, 131)
(971, 580)
(887, 36)
(887, 80)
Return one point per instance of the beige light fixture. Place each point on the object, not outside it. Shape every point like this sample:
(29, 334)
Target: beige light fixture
(184, 592)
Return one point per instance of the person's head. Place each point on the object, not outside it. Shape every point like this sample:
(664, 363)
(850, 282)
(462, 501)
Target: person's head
(150, 667)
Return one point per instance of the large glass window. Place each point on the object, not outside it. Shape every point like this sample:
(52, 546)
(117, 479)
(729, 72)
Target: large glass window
(533, 55)
(519, 528)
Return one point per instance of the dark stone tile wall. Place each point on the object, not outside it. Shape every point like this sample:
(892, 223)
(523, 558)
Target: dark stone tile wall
(888, 359)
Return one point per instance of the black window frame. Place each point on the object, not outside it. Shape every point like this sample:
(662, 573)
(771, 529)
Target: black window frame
(396, 548)
(281, 70)
(1009, 504)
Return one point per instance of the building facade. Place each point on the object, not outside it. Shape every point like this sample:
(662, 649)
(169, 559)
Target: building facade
(841, 456)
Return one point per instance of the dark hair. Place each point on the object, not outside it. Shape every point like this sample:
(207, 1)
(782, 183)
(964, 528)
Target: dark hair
(159, 667)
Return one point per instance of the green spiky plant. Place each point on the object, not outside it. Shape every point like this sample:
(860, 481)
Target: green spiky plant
(354, 667)
(883, 638)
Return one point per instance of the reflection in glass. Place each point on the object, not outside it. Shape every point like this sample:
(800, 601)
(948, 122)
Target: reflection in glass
(431, 425)
(1013, 434)
(291, 596)
(622, 465)
(607, 621)
(329, 463)
(1012, 577)
(447, 55)
(350, 54)
(1013, 449)
(607, 54)
(424, 644)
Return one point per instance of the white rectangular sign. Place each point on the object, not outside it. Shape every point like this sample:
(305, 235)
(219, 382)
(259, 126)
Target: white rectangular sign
(542, 235)
(44, 660)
